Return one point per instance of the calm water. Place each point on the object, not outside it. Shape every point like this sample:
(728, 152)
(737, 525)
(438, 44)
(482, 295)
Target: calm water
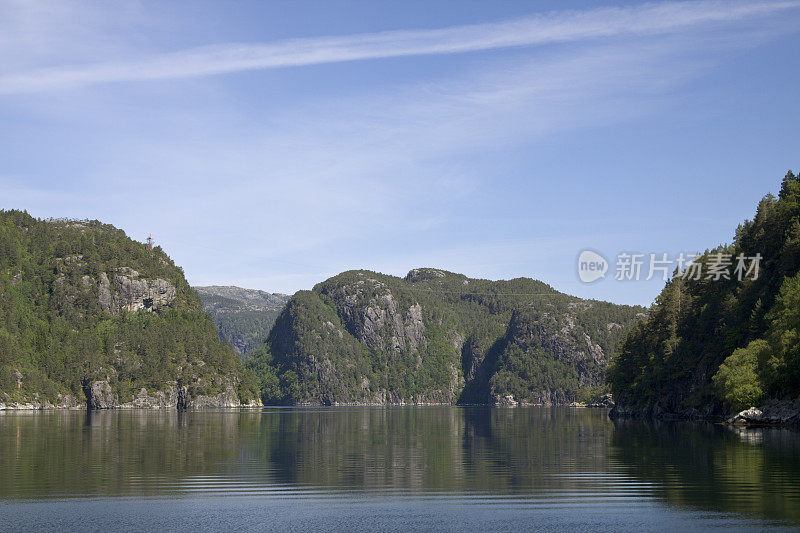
(416, 468)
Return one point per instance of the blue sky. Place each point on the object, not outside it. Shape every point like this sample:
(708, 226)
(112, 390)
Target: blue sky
(272, 145)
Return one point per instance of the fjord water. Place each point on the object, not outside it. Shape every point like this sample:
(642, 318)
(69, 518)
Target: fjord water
(404, 468)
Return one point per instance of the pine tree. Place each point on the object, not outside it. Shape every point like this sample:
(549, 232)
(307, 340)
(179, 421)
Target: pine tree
(788, 185)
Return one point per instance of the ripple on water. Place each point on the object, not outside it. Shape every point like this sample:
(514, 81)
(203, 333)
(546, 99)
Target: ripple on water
(489, 463)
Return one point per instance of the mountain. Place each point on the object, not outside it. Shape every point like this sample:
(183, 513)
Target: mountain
(88, 315)
(437, 337)
(712, 347)
(242, 316)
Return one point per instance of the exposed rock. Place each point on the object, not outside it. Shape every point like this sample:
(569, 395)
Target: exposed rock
(747, 416)
(162, 399)
(252, 403)
(424, 274)
(367, 338)
(134, 294)
(414, 329)
(604, 401)
(104, 292)
(99, 395)
(74, 297)
(544, 397)
(781, 412)
(68, 401)
(228, 299)
(371, 314)
(63, 402)
(229, 398)
(504, 401)
(183, 398)
(658, 411)
(773, 412)
(531, 330)
(14, 406)
(128, 292)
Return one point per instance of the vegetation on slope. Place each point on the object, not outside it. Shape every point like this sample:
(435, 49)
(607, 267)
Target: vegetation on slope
(437, 337)
(80, 301)
(710, 346)
(242, 316)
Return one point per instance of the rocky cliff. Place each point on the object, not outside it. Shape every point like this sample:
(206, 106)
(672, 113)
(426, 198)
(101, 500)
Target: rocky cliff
(89, 316)
(438, 337)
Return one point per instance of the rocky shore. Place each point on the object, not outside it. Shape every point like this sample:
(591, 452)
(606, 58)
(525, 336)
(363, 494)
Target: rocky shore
(99, 395)
(774, 412)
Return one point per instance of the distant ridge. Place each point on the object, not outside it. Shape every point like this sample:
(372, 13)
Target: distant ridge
(436, 337)
(243, 316)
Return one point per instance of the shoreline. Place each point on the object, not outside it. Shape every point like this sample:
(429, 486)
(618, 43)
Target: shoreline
(31, 407)
(772, 413)
(127, 407)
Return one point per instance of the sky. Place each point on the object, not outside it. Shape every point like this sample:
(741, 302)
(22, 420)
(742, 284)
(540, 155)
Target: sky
(271, 145)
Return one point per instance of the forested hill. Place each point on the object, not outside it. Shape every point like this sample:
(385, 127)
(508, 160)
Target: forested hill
(713, 346)
(89, 315)
(438, 337)
(243, 316)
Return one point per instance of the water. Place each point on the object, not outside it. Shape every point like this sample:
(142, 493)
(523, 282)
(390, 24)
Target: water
(397, 469)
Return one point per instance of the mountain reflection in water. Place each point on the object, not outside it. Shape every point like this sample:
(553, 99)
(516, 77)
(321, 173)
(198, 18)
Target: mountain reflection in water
(482, 464)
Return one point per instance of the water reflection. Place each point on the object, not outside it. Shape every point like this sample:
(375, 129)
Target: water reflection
(570, 458)
(754, 471)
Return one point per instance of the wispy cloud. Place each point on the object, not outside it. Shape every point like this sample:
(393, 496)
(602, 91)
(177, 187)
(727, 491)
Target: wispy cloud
(280, 193)
(561, 27)
(326, 179)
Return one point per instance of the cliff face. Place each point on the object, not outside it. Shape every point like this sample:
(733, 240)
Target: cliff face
(126, 293)
(554, 338)
(243, 316)
(90, 317)
(437, 337)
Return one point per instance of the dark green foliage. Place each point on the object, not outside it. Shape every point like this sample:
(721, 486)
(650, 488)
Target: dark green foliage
(436, 337)
(242, 316)
(743, 332)
(55, 333)
(253, 326)
(309, 340)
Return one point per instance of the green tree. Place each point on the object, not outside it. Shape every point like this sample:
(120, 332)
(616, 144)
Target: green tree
(737, 379)
(732, 342)
(789, 185)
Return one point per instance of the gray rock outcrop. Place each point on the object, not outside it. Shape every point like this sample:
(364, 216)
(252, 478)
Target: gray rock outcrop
(604, 401)
(63, 401)
(504, 401)
(773, 412)
(226, 399)
(104, 292)
(163, 399)
(133, 294)
(99, 395)
(372, 314)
